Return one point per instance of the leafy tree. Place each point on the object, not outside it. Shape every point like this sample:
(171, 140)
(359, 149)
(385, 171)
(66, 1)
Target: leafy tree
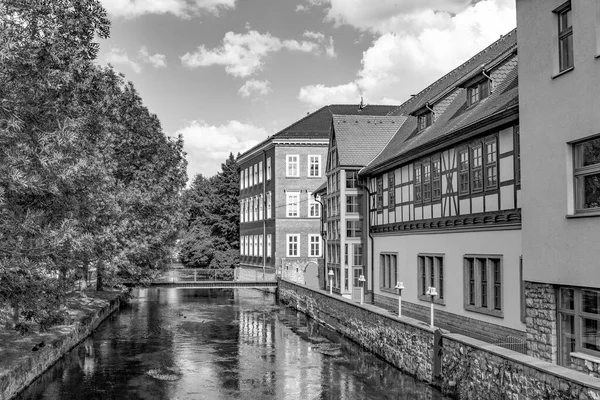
(211, 238)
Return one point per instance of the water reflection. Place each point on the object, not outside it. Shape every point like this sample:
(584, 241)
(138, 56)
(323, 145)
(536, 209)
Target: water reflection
(219, 344)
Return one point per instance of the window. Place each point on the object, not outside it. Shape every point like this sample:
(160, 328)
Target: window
(578, 323)
(379, 193)
(357, 259)
(388, 272)
(314, 243)
(241, 179)
(255, 212)
(268, 254)
(260, 245)
(246, 210)
(346, 253)
(268, 205)
(477, 92)
(587, 175)
(352, 203)
(268, 168)
(435, 179)
(314, 166)
(431, 273)
(255, 246)
(247, 178)
(314, 207)
(491, 164)
(391, 190)
(426, 181)
(260, 172)
(291, 168)
(260, 207)
(292, 201)
(565, 37)
(353, 229)
(243, 245)
(476, 172)
(255, 174)
(242, 205)
(483, 284)
(417, 183)
(292, 245)
(333, 158)
(351, 179)
(425, 120)
(464, 171)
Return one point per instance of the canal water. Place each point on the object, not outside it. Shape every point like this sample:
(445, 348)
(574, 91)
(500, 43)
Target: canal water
(219, 344)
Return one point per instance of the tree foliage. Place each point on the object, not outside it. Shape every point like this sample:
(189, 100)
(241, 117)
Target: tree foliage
(87, 177)
(211, 237)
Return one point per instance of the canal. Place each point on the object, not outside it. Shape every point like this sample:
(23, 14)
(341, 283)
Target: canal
(219, 344)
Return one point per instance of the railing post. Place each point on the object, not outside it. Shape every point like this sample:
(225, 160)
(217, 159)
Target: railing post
(195, 275)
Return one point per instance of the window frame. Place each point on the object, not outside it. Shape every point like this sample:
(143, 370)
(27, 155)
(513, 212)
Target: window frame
(313, 205)
(474, 298)
(380, 193)
(578, 315)
(417, 183)
(311, 163)
(426, 264)
(388, 277)
(392, 191)
(269, 249)
(564, 33)
(289, 163)
(269, 212)
(288, 204)
(352, 207)
(351, 179)
(312, 243)
(580, 172)
(295, 243)
(268, 168)
(479, 91)
(354, 226)
(490, 165)
(424, 120)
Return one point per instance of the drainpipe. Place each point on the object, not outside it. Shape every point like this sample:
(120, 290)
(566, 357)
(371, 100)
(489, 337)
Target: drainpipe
(324, 236)
(264, 204)
(366, 188)
(489, 77)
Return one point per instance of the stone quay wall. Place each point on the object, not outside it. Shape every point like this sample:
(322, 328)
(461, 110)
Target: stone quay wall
(403, 342)
(470, 368)
(17, 379)
(541, 321)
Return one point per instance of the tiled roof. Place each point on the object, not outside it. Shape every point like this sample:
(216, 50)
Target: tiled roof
(457, 115)
(322, 188)
(317, 125)
(359, 138)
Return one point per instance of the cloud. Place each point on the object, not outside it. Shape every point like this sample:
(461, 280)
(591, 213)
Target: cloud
(243, 54)
(330, 49)
(156, 60)
(255, 87)
(207, 146)
(119, 56)
(402, 61)
(179, 8)
(318, 36)
(319, 95)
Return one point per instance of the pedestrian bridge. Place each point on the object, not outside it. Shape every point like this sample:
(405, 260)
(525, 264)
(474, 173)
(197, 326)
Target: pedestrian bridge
(198, 278)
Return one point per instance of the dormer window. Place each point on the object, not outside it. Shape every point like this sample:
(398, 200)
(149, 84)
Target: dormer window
(425, 120)
(478, 91)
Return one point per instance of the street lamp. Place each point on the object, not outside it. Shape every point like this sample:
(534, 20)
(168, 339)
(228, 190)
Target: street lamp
(331, 281)
(431, 292)
(399, 286)
(361, 280)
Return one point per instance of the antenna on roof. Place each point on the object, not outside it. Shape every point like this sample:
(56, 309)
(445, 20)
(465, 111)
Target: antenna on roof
(361, 105)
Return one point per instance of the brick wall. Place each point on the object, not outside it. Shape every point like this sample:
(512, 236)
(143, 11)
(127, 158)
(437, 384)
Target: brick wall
(254, 274)
(541, 321)
(454, 323)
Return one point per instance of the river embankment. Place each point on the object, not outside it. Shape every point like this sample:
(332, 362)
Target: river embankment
(23, 358)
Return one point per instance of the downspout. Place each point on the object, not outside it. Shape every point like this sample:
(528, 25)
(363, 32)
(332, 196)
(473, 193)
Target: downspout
(264, 204)
(324, 236)
(368, 202)
(490, 78)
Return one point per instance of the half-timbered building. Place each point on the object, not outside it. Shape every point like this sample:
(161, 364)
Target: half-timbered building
(445, 204)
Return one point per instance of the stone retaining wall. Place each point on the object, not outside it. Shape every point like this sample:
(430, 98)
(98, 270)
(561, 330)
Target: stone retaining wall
(470, 368)
(17, 379)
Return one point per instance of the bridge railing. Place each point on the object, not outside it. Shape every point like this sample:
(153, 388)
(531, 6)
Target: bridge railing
(183, 275)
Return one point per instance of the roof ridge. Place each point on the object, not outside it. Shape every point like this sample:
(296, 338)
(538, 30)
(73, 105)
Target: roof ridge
(485, 50)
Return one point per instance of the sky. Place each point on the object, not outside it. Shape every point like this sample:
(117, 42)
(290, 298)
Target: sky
(226, 74)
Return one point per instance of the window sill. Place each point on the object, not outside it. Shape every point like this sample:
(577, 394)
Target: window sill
(293, 177)
(486, 311)
(562, 72)
(427, 298)
(587, 357)
(583, 214)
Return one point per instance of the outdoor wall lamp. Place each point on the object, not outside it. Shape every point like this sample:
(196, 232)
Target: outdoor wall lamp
(399, 286)
(361, 282)
(330, 281)
(431, 292)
